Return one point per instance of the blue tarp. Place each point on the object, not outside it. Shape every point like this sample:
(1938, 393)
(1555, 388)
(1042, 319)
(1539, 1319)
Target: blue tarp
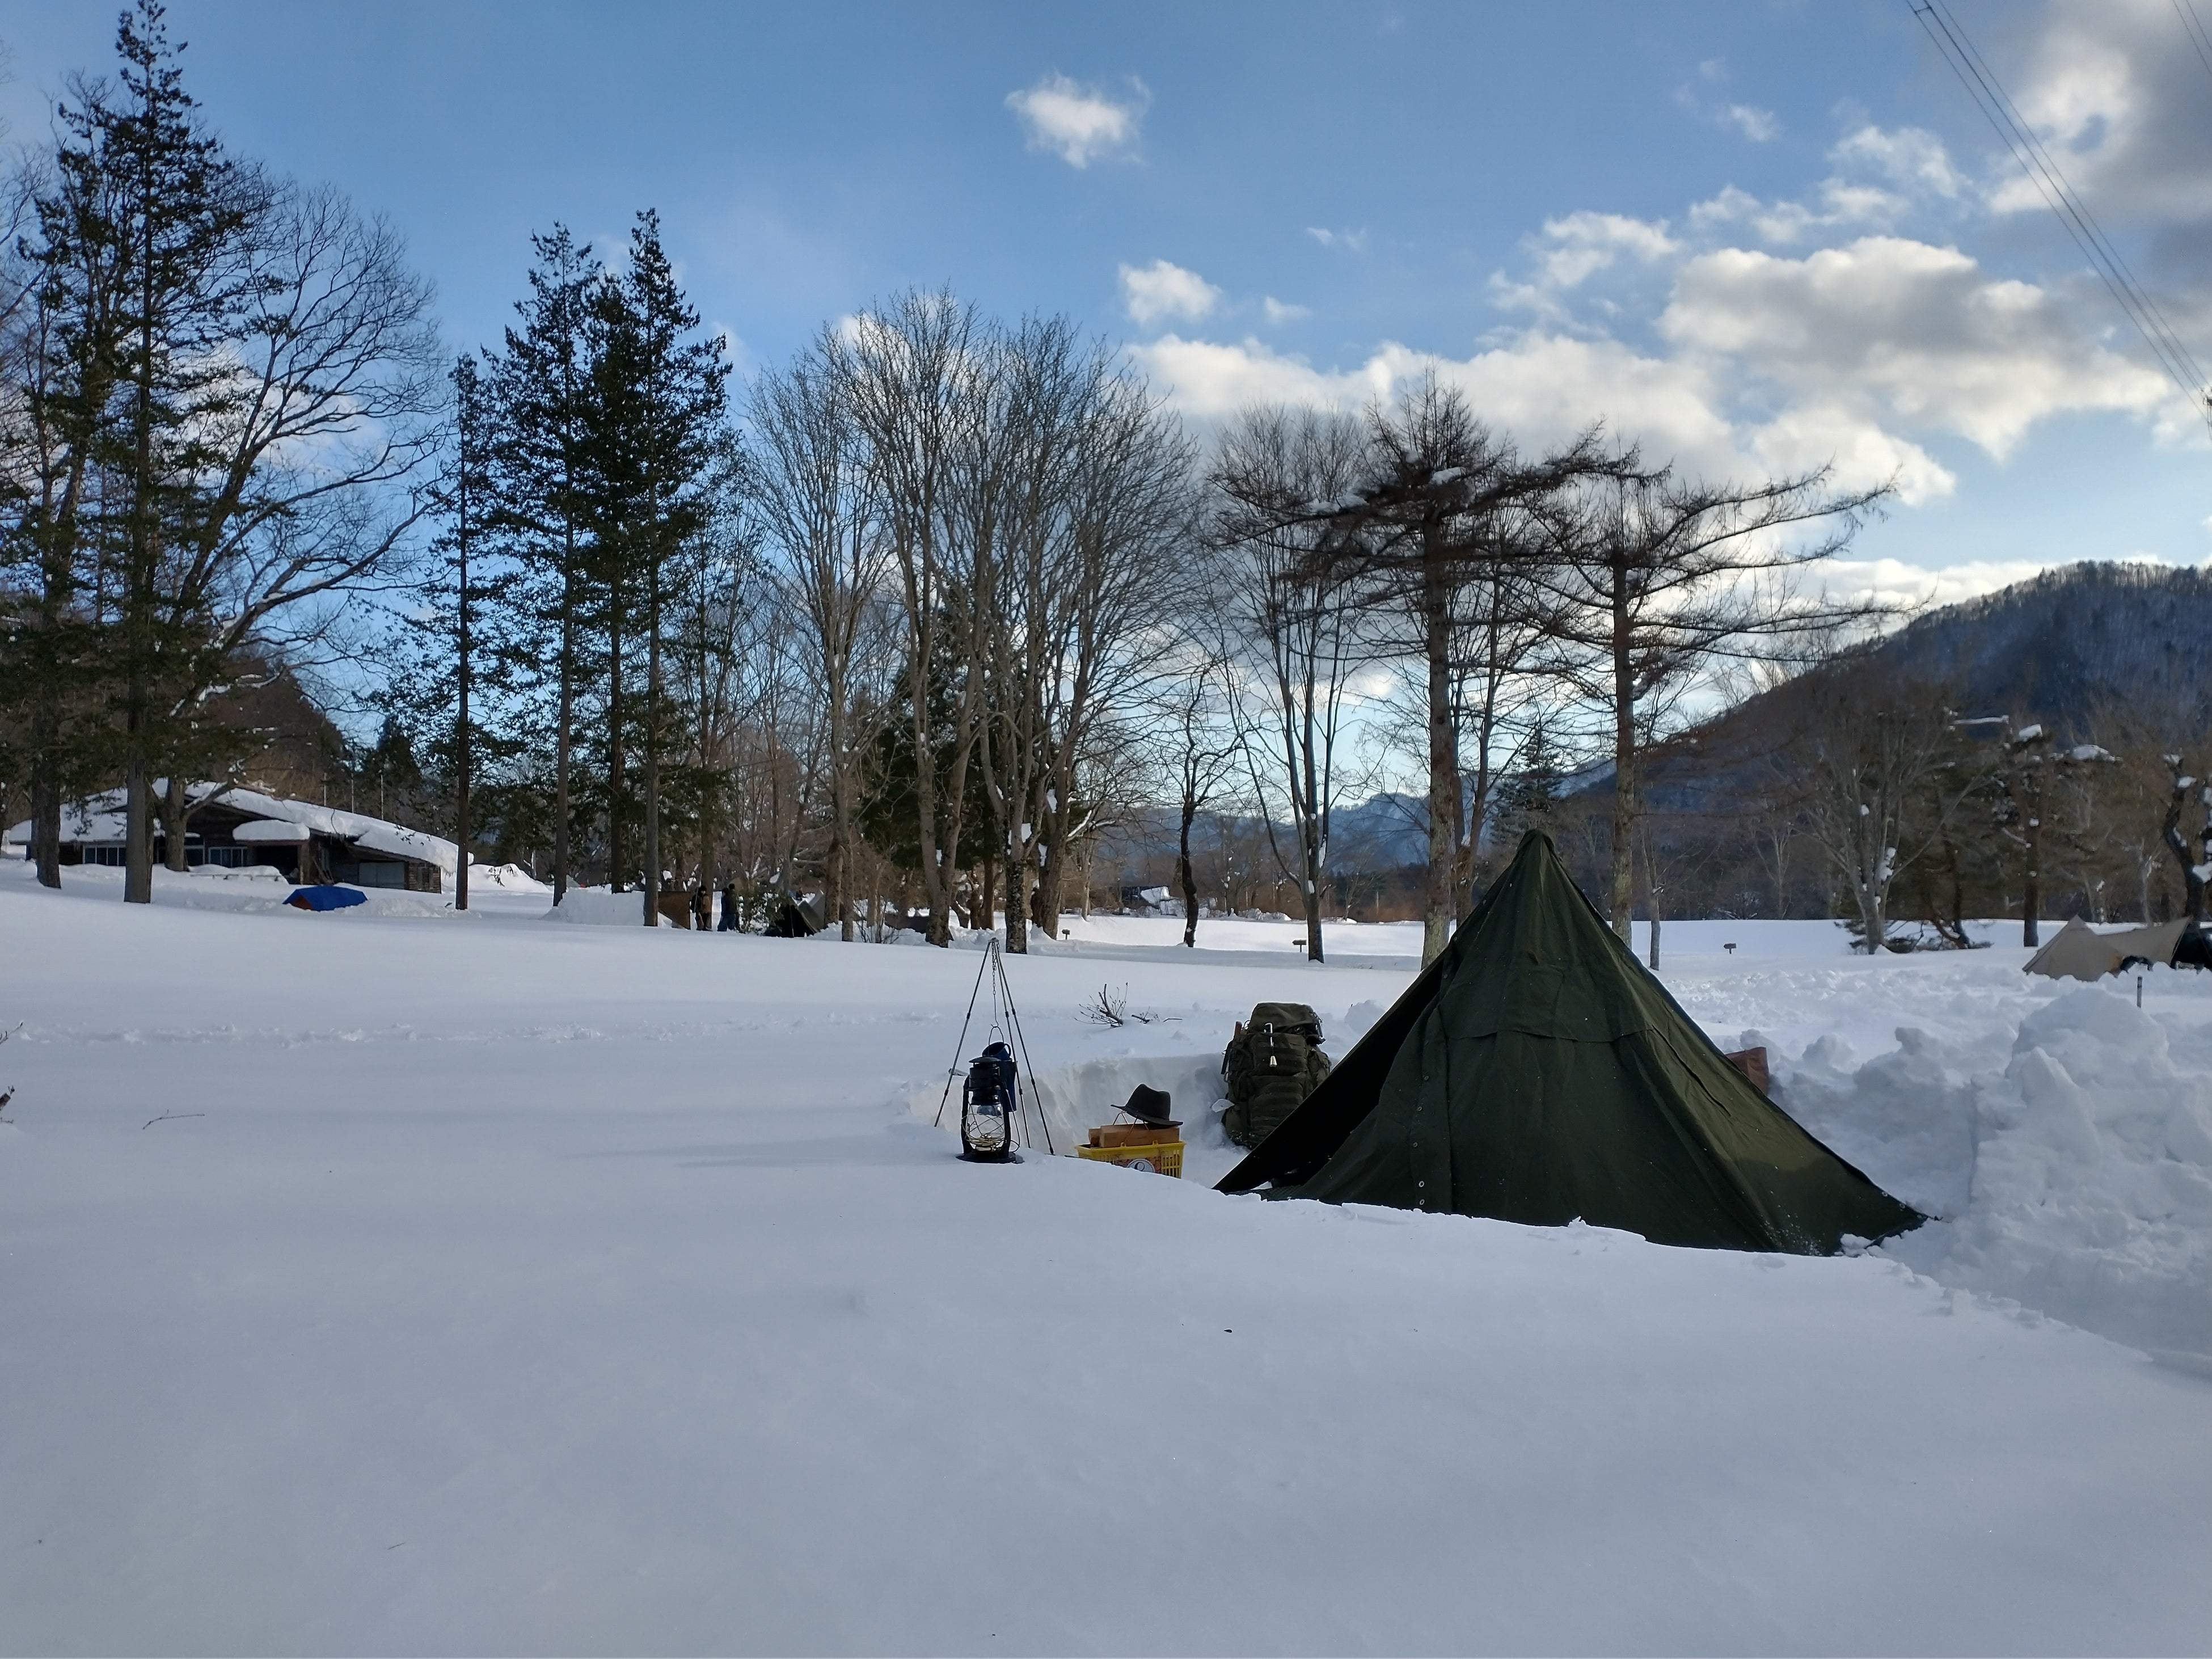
(326, 898)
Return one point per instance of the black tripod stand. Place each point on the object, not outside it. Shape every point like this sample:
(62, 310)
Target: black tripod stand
(1004, 1019)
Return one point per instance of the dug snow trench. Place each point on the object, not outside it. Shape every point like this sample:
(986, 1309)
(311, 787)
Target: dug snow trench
(1067, 1102)
(2066, 1157)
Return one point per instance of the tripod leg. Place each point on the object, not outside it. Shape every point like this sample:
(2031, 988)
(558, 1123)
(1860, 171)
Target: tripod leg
(1014, 1019)
(960, 1047)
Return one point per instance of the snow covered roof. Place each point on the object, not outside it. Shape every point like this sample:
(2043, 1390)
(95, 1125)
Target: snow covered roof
(101, 819)
(92, 822)
(274, 832)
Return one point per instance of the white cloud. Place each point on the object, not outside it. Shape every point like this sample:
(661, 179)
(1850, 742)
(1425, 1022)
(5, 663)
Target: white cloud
(1573, 249)
(1843, 357)
(1861, 452)
(1894, 582)
(1914, 165)
(1583, 243)
(1160, 289)
(1759, 125)
(1917, 332)
(1280, 311)
(1541, 388)
(1795, 334)
(1354, 240)
(1910, 157)
(1209, 380)
(1077, 123)
(1841, 205)
(2117, 90)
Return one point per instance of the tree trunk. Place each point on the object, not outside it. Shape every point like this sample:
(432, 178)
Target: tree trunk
(564, 742)
(1444, 761)
(936, 879)
(653, 753)
(1310, 847)
(46, 830)
(46, 764)
(618, 751)
(2192, 882)
(1651, 890)
(1185, 876)
(1022, 893)
(840, 871)
(174, 807)
(138, 828)
(2031, 835)
(1044, 894)
(461, 739)
(2204, 859)
(1625, 802)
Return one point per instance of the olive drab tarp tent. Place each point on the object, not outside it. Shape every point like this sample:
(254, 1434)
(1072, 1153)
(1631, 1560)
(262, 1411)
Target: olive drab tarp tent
(1536, 1072)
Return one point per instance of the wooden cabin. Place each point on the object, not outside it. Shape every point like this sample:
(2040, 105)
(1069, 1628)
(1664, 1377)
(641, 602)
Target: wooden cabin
(232, 828)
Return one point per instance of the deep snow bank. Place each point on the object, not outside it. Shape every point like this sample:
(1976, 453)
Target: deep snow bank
(2062, 1139)
(598, 907)
(2070, 1167)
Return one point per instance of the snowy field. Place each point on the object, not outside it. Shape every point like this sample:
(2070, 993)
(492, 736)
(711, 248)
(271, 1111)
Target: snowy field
(389, 1281)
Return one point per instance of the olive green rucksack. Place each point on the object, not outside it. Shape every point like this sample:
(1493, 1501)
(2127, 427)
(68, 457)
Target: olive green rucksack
(1272, 1064)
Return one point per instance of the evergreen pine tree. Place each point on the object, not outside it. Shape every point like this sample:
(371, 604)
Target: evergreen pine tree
(178, 210)
(662, 405)
(1528, 795)
(541, 399)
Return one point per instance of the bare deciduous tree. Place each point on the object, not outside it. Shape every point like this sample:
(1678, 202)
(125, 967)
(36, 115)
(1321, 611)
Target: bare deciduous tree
(1291, 619)
(1650, 579)
(1880, 777)
(907, 369)
(817, 499)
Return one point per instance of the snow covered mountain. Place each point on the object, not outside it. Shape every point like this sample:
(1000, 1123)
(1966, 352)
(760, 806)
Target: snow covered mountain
(2052, 646)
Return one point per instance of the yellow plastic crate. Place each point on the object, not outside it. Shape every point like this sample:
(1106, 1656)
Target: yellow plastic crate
(1161, 1158)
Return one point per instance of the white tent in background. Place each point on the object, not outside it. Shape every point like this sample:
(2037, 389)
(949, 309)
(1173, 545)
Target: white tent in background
(2079, 952)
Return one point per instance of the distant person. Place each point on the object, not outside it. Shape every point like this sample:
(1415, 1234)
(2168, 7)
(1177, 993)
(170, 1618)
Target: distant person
(729, 922)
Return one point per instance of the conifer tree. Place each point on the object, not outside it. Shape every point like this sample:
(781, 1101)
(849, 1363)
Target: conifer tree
(1527, 796)
(542, 390)
(662, 401)
(458, 644)
(176, 210)
(59, 378)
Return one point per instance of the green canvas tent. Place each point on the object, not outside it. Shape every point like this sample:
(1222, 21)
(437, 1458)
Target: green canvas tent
(1536, 1072)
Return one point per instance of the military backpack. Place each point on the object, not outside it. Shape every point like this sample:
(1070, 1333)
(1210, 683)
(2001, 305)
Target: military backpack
(1272, 1064)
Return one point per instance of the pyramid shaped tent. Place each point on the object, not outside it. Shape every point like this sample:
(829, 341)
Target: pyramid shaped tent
(1536, 1072)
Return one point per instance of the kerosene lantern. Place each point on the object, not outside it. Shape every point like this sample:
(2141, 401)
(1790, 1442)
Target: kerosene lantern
(988, 1105)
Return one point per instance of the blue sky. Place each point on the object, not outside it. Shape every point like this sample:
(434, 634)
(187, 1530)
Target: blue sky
(1757, 235)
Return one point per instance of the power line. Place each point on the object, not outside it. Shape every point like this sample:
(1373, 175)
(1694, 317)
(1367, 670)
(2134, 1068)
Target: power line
(2051, 181)
(2193, 26)
(2043, 171)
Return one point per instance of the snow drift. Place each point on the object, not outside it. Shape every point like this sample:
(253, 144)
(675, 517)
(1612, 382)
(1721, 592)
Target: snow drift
(2070, 1169)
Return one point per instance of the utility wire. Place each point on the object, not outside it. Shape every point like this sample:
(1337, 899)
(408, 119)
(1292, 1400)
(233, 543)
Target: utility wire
(2043, 171)
(2193, 26)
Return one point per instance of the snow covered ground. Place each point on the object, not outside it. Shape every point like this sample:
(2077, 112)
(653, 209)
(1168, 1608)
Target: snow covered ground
(390, 1279)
